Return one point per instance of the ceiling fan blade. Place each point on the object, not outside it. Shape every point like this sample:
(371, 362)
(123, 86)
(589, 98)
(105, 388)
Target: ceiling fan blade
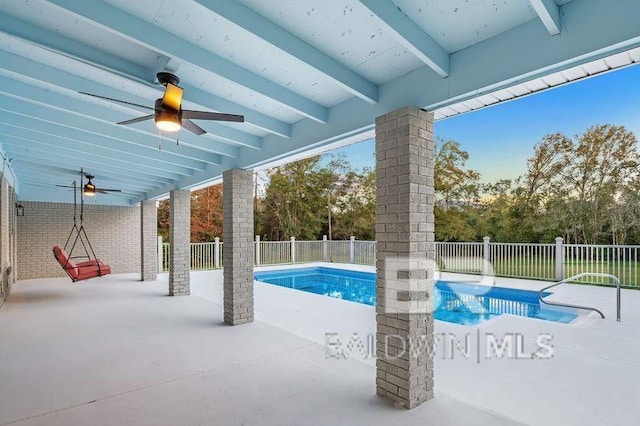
(65, 186)
(105, 190)
(206, 115)
(192, 127)
(45, 186)
(116, 100)
(173, 97)
(137, 120)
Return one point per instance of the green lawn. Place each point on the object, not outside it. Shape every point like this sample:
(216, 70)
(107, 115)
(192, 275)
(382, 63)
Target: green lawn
(627, 272)
(544, 269)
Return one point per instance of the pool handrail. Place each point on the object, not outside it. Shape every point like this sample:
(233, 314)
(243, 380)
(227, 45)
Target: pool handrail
(575, 278)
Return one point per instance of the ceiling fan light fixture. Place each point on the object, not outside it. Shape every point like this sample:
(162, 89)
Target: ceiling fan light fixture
(167, 111)
(89, 189)
(168, 121)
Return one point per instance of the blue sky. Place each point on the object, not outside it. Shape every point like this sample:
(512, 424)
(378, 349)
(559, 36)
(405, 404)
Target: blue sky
(500, 138)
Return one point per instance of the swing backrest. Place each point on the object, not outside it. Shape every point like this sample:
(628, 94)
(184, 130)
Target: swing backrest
(68, 264)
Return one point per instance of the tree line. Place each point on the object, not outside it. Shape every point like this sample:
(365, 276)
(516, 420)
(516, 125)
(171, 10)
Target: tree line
(584, 188)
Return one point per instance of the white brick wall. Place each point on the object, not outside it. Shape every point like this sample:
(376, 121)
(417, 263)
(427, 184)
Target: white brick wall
(114, 232)
(4, 220)
(7, 238)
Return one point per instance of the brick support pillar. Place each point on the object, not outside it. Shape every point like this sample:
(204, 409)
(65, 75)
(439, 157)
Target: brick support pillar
(179, 242)
(238, 255)
(148, 240)
(405, 251)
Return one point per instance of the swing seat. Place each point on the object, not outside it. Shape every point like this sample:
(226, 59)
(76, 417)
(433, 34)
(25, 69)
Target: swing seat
(83, 270)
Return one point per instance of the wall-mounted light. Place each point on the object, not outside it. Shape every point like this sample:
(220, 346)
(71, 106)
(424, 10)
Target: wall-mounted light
(19, 210)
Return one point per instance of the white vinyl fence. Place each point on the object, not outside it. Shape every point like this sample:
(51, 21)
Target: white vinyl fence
(518, 260)
(274, 253)
(621, 261)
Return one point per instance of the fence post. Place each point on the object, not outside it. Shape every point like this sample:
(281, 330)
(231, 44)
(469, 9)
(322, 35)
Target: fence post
(325, 249)
(352, 249)
(160, 250)
(216, 252)
(257, 260)
(486, 252)
(293, 249)
(559, 259)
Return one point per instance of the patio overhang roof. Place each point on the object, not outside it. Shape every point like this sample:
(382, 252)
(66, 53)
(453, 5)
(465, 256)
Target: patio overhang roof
(305, 74)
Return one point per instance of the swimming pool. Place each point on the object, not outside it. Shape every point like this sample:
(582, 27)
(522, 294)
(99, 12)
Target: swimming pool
(459, 303)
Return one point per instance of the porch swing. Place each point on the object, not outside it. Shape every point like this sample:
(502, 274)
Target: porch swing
(91, 268)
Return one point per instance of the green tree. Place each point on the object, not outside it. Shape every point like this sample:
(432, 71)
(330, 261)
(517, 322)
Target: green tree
(602, 163)
(457, 191)
(163, 220)
(206, 215)
(494, 211)
(295, 200)
(624, 218)
(575, 188)
(355, 205)
(454, 183)
(535, 190)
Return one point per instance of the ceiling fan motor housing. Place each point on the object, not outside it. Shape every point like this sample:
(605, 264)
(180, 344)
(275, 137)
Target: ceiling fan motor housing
(166, 77)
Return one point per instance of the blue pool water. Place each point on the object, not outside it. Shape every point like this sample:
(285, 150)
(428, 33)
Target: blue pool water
(459, 303)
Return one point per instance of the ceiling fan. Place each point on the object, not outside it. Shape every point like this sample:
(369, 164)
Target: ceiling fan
(89, 189)
(168, 113)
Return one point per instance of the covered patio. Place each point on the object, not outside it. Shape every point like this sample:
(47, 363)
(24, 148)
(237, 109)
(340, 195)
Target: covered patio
(123, 353)
(114, 351)
(305, 77)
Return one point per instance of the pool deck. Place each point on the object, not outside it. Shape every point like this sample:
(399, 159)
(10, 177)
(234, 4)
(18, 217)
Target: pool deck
(116, 351)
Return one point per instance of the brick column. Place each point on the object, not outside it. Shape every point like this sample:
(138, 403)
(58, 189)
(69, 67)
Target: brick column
(237, 200)
(405, 245)
(148, 240)
(179, 240)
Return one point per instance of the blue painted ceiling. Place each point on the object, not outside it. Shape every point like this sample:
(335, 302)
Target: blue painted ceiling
(305, 74)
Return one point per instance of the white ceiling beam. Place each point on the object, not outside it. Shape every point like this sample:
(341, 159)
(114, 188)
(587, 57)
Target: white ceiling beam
(42, 145)
(275, 35)
(21, 126)
(31, 175)
(83, 53)
(68, 175)
(56, 42)
(139, 31)
(186, 183)
(549, 13)
(94, 129)
(76, 164)
(18, 67)
(410, 35)
(519, 54)
(50, 183)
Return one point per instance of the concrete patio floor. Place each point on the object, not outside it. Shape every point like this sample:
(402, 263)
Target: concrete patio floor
(115, 351)
(118, 351)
